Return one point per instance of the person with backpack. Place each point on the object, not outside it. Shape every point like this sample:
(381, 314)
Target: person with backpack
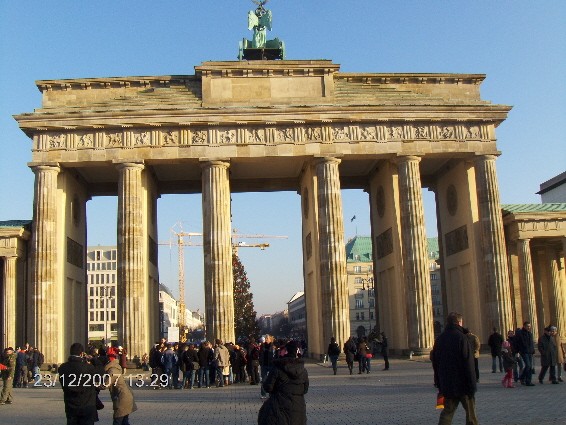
(333, 353)
(350, 352)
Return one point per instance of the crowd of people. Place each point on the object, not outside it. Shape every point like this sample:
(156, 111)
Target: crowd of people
(218, 364)
(456, 374)
(18, 368)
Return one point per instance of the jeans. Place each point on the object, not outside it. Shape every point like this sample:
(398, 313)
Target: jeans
(518, 367)
(493, 363)
(527, 374)
(450, 405)
(203, 377)
(122, 420)
(189, 377)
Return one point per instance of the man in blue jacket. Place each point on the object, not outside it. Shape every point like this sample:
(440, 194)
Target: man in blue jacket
(454, 371)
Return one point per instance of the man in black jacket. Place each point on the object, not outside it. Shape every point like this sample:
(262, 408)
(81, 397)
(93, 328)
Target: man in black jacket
(526, 347)
(79, 393)
(454, 371)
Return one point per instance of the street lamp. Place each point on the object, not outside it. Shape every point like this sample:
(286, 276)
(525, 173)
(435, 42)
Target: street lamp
(369, 282)
(107, 297)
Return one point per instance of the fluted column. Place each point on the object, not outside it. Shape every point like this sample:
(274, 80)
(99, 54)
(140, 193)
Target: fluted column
(9, 301)
(527, 281)
(45, 323)
(131, 310)
(217, 241)
(333, 278)
(557, 299)
(494, 256)
(415, 263)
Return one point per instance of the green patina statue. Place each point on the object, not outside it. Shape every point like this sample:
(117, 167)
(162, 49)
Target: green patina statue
(260, 48)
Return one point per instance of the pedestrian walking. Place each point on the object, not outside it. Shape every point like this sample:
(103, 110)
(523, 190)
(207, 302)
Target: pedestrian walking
(76, 376)
(526, 348)
(454, 371)
(385, 350)
(560, 352)
(476, 345)
(123, 402)
(333, 353)
(548, 355)
(350, 352)
(287, 383)
(508, 362)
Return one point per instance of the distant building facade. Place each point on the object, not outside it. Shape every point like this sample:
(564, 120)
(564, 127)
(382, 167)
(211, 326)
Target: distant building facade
(102, 262)
(298, 315)
(553, 190)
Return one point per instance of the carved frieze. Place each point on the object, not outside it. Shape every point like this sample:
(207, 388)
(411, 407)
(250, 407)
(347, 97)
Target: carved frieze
(271, 134)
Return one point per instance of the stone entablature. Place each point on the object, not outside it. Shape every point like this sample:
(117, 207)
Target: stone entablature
(270, 133)
(536, 225)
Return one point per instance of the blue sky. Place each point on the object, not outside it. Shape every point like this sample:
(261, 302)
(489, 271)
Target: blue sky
(520, 45)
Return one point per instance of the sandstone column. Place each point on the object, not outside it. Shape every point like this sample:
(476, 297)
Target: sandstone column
(415, 264)
(9, 301)
(528, 283)
(333, 278)
(217, 241)
(557, 298)
(45, 317)
(495, 272)
(130, 302)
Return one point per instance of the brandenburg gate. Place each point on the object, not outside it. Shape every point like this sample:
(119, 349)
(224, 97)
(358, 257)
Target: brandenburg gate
(264, 125)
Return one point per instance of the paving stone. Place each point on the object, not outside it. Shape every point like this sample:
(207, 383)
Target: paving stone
(404, 395)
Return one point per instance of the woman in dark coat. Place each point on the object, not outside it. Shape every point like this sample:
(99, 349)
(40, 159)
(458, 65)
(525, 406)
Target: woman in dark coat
(286, 383)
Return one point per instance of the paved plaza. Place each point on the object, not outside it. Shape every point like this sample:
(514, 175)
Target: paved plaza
(404, 395)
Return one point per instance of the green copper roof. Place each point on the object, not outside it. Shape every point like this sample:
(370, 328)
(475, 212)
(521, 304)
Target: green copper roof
(358, 249)
(15, 223)
(533, 208)
(433, 249)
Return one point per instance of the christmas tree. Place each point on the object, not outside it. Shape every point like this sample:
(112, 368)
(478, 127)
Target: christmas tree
(244, 312)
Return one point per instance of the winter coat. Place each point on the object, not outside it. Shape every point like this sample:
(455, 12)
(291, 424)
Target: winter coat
(475, 344)
(524, 341)
(122, 397)
(287, 383)
(80, 399)
(203, 356)
(169, 359)
(333, 349)
(548, 351)
(222, 357)
(186, 362)
(9, 360)
(495, 343)
(384, 345)
(508, 359)
(350, 350)
(453, 363)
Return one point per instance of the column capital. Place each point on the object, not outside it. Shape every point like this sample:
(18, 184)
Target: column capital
(120, 165)
(326, 160)
(524, 240)
(45, 166)
(486, 157)
(400, 159)
(206, 163)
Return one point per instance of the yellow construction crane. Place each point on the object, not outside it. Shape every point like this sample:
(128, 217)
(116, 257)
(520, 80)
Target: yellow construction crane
(177, 231)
